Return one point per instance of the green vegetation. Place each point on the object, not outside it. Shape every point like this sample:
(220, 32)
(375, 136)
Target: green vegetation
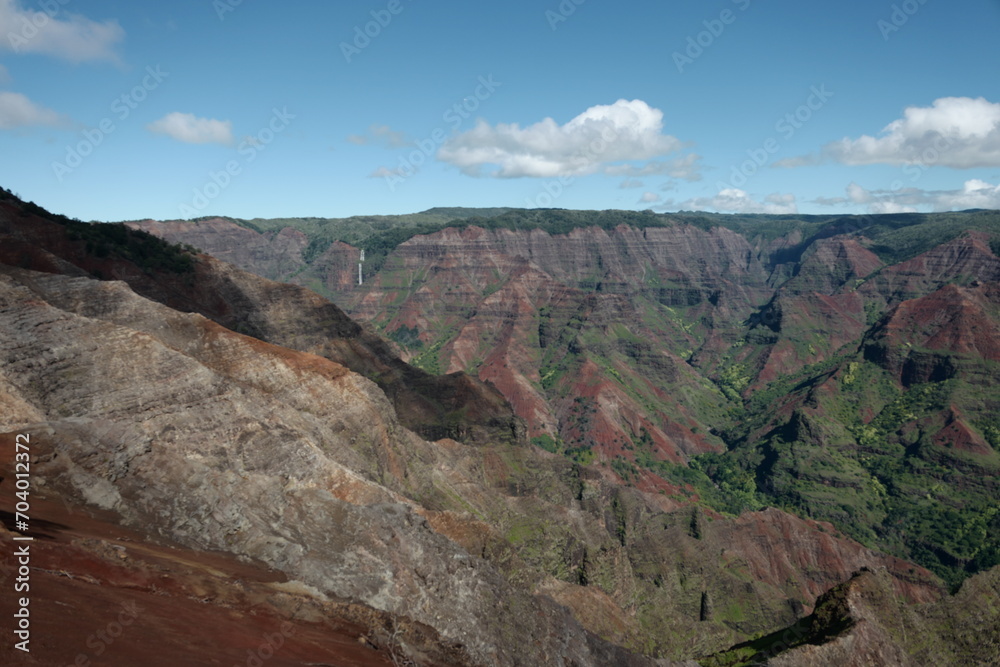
(886, 481)
(149, 252)
(406, 337)
(734, 380)
(115, 240)
(757, 650)
(625, 469)
(430, 359)
(547, 442)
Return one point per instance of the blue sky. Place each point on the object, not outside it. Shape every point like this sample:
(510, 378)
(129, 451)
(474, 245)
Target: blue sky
(114, 110)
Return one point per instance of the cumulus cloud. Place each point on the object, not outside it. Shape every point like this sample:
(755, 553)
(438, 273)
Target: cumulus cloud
(649, 198)
(191, 130)
(974, 193)
(858, 194)
(381, 135)
(16, 110)
(958, 132)
(61, 34)
(734, 200)
(604, 134)
(890, 207)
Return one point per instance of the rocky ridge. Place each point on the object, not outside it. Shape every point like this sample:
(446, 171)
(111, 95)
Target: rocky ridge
(862, 622)
(197, 460)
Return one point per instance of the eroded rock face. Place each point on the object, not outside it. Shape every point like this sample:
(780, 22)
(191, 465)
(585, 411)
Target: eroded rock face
(283, 314)
(487, 289)
(676, 266)
(552, 320)
(297, 318)
(231, 444)
(919, 338)
(278, 255)
(830, 264)
(701, 260)
(963, 259)
(628, 319)
(157, 603)
(813, 314)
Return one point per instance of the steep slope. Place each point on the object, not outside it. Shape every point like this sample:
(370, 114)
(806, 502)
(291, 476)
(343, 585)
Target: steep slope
(314, 252)
(189, 453)
(904, 415)
(491, 281)
(279, 256)
(110, 595)
(961, 260)
(813, 314)
(341, 496)
(596, 372)
(278, 313)
(924, 338)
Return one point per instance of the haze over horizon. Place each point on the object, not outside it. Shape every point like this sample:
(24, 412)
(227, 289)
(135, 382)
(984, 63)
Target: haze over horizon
(112, 110)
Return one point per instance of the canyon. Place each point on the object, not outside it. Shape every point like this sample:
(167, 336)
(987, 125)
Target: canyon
(641, 441)
(738, 361)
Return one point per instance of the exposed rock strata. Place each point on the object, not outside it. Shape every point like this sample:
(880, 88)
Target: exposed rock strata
(232, 444)
(405, 517)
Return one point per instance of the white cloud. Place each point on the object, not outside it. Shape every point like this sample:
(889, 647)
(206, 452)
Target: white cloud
(191, 130)
(600, 135)
(60, 34)
(958, 132)
(649, 198)
(685, 168)
(890, 207)
(734, 200)
(382, 135)
(902, 200)
(630, 183)
(973, 194)
(16, 110)
(858, 194)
